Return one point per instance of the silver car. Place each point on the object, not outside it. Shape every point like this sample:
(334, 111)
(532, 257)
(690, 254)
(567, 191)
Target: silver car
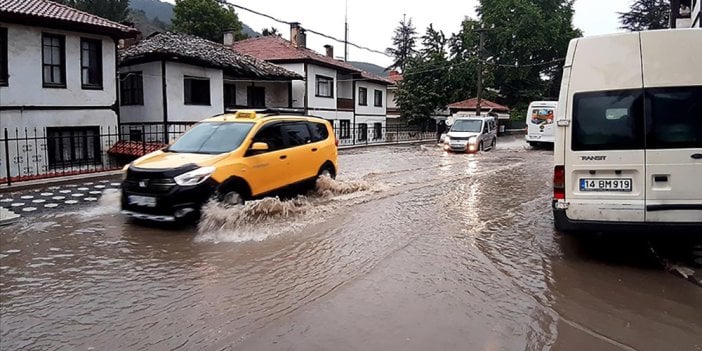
(471, 134)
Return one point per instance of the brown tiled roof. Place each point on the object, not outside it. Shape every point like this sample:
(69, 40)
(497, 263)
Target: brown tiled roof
(471, 104)
(395, 76)
(49, 13)
(195, 50)
(276, 49)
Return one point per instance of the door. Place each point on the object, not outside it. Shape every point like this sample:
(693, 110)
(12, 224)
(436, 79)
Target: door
(674, 154)
(301, 154)
(605, 164)
(541, 127)
(268, 169)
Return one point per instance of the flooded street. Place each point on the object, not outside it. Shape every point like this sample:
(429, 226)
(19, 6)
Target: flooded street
(411, 248)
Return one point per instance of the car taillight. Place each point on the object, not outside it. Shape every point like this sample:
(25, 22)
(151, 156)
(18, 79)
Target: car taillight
(559, 183)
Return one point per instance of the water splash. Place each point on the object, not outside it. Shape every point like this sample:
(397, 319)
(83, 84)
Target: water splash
(108, 204)
(260, 219)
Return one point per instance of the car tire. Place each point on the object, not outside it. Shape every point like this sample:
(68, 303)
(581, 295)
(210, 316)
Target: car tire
(231, 198)
(327, 171)
(494, 144)
(481, 147)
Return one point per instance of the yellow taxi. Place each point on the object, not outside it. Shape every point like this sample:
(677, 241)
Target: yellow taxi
(232, 158)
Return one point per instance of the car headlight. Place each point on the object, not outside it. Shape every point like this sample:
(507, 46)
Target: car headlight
(473, 140)
(194, 177)
(447, 140)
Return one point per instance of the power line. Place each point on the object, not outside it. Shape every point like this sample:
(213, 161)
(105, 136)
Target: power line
(306, 29)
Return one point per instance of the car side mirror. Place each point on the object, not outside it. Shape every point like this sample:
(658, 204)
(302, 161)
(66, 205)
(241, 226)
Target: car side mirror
(260, 146)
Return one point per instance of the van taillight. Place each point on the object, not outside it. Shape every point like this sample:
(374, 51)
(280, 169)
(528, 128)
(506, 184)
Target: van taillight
(559, 183)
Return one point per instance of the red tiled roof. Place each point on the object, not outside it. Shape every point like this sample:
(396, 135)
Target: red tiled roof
(276, 49)
(394, 76)
(471, 104)
(134, 148)
(42, 12)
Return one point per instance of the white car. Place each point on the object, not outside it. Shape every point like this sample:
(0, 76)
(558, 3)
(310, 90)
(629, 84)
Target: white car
(471, 134)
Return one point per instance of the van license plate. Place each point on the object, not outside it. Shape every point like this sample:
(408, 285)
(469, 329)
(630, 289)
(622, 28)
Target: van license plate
(604, 184)
(146, 201)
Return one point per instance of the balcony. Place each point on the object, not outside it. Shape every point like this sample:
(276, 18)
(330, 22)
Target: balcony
(344, 104)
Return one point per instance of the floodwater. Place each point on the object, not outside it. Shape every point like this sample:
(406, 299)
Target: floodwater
(411, 248)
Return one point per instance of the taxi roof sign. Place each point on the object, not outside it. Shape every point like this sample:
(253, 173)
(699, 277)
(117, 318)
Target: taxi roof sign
(245, 114)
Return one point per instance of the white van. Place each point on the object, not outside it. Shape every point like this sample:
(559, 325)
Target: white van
(540, 127)
(628, 152)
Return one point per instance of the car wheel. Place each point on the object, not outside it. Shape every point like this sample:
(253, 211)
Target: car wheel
(326, 171)
(481, 147)
(231, 198)
(494, 144)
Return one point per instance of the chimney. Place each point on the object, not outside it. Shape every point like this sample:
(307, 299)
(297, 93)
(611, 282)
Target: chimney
(330, 50)
(297, 35)
(228, 38)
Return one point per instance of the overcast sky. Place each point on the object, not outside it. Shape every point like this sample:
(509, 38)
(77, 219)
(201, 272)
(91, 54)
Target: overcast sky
(371, 22)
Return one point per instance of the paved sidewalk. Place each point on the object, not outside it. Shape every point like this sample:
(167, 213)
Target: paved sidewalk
(37, 200)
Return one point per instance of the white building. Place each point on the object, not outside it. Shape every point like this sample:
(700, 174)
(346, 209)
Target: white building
(685, 14)
(170, 78)
(58, 90)
(332, 89)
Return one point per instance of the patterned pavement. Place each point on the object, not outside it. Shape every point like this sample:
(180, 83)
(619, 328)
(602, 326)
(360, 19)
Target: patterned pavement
(34, 201)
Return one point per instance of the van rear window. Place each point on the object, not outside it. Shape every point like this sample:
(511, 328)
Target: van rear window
(674, 117)
(611, 120)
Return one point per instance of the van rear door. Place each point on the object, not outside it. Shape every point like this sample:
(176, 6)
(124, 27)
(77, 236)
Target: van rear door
(604, 143)
(673, 85)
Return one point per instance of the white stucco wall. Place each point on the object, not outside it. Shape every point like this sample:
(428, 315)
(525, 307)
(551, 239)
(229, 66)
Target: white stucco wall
(32, 157)
(390, 100)
(320, 102)
(152, 110)
(371, 109)
(298, 94)
(25, 70)
(178, 111)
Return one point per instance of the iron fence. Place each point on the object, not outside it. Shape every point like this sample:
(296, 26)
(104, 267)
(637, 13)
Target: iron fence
(39, 153)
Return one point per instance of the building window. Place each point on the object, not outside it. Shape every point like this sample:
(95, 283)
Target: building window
(91, 63)
(325, 86)
(377, 131)
(3, 57)
(363, 96)
(229, 95)
(73, 146)
(196, 90)
(131, 88)
(54, 60)
(256, 96)
(344, 129)
(362, 132)
(135, 134)
(378, 98)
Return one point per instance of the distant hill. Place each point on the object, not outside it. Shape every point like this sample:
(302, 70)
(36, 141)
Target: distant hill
(158, 14)
(370, 68)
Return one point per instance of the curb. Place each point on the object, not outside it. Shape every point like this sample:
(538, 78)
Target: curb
(7, 217)
(33, 184)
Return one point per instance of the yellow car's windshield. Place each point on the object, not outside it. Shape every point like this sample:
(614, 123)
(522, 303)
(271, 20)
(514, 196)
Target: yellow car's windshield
(212, 138)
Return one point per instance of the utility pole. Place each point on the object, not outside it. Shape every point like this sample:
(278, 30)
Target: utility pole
(346, 32)
(481, 31)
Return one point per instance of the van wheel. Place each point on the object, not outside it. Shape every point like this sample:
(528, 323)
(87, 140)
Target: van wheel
(481, 147)
(231, 198)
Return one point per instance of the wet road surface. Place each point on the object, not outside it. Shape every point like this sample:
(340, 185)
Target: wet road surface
(411, 249)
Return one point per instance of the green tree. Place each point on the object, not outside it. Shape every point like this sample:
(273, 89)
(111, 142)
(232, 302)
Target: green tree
(404, 43)
(524, 46)
(463, 54)
(114, 10)
(206, 18)
(272, 31)
(645, 15)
